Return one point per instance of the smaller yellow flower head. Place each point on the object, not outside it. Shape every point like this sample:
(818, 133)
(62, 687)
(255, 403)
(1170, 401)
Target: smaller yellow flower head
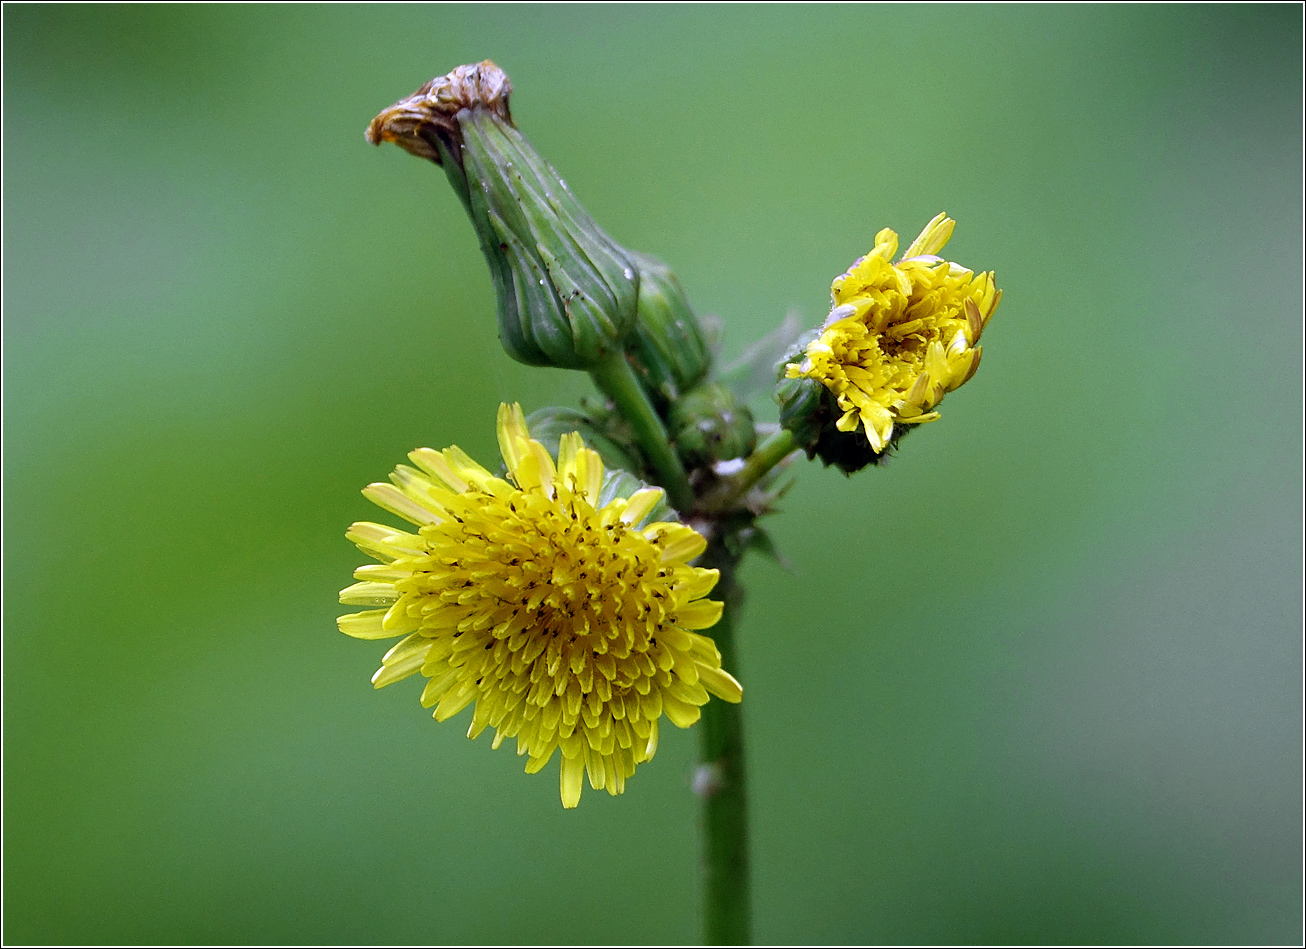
(554, 609)
(900, 336)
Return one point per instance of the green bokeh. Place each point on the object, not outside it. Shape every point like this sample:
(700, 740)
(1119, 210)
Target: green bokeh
(1037, 680)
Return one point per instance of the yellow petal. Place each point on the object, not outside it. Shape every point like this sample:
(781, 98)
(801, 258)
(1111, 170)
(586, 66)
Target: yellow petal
(700, 614)
(932, 238)
(414, 644)
(369, 594)
(383, 540)
(569, 780)
(682, 714)
(392, 672)
(467, 469)
(365, 625)
(382, 573)
(589, 474)
(390, 498)
(437, 466)
(698, 583)
(513, 435)
(720, 683)
(640, 504)
(886, 242)
(535, 764)
(677, 541)
(569, 445)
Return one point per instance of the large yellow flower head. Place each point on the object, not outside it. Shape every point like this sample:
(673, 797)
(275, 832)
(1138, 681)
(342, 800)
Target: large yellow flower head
(900, 335)
(546, 602)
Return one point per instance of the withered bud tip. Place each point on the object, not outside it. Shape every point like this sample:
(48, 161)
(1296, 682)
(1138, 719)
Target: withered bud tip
(414, 122)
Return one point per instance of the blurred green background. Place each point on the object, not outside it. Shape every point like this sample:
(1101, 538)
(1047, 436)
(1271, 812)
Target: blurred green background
(1038, 680)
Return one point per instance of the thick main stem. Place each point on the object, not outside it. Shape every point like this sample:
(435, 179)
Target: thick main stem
(617, 381)
(721, 781)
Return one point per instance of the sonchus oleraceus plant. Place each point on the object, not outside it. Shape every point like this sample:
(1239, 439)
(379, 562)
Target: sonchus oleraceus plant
(586, 590)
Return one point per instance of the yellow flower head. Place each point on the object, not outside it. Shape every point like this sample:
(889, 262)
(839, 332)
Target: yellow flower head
(546, 602)
(900, 336)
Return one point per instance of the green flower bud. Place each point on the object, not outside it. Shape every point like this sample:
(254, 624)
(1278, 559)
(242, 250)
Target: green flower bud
(710, 424)
(666, 348)
(549, 424)
(567, 293)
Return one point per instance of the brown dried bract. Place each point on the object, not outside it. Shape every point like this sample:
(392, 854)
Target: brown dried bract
(416, 122)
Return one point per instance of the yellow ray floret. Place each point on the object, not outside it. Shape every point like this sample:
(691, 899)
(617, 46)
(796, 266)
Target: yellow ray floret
(900, 336)
(564, 622)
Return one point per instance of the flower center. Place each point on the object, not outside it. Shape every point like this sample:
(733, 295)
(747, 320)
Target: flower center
(557, 579)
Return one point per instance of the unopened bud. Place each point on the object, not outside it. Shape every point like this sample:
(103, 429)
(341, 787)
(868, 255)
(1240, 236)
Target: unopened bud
(710, 424)
(566, 292)
(666, 347)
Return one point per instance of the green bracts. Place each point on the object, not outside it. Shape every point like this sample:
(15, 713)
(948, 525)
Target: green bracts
(567, 293)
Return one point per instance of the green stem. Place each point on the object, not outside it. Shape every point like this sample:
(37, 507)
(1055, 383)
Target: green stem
(721, 782)
(616, 379)
(772, 450)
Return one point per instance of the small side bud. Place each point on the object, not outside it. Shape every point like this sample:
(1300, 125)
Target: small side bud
(566, 292)
(710, 424)
(666, 348)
